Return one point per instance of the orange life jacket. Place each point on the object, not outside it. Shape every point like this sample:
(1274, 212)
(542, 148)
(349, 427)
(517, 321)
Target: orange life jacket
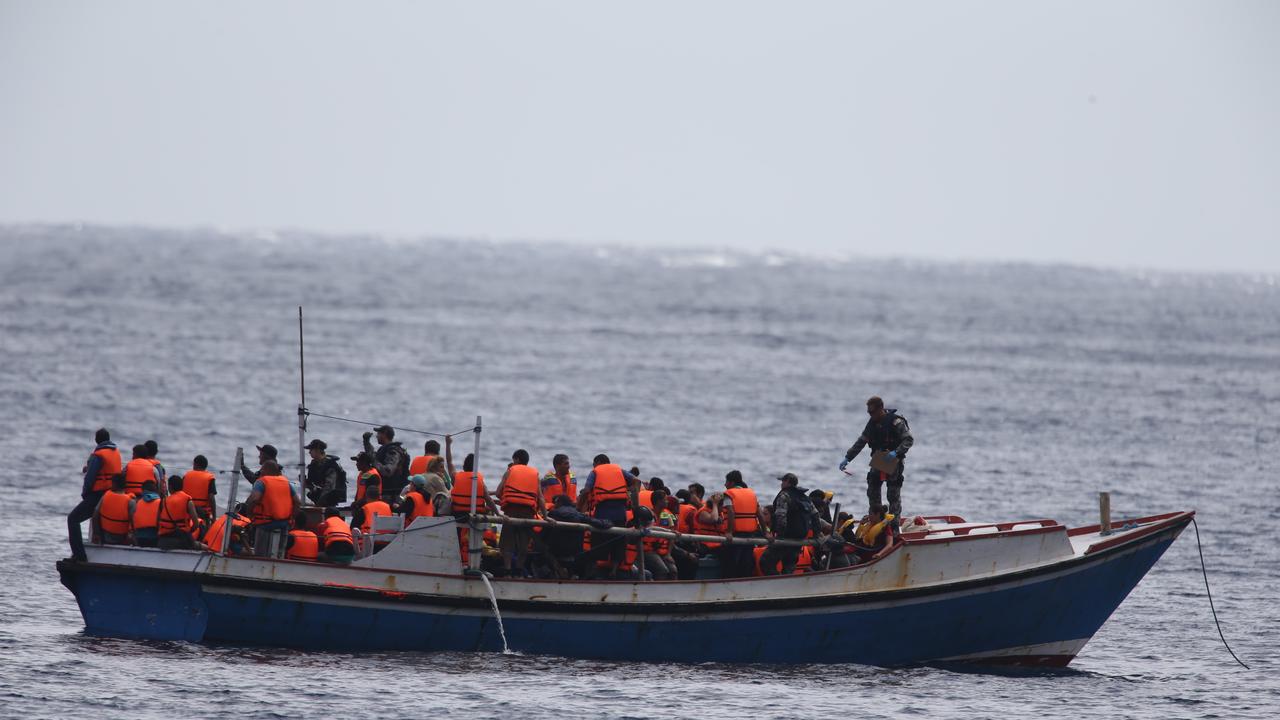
(684, 523)
(422, 507)
(661, 546)
(627, 561)
(305, 545)
(461, 493)
(371, 508)
(213, 538)
(276, 502)
(146, 514)
(335, 530)
(702, 527)
(805, 563)
(113, 514)
(173, 513)
(521, 486)
(610, 484)
(196, 484)
(420, 463)
(566, 486)
(360, 483)
(646, 499)
(744, 509)
(111, 465)
(136, 472)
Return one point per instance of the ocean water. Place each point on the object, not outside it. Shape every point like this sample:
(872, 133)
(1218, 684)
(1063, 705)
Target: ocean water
(1028, 388)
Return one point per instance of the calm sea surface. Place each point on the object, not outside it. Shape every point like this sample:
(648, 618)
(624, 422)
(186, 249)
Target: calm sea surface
(1028, 388)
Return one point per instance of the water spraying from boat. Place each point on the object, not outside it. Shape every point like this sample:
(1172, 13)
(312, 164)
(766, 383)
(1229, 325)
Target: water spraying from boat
(493, 600)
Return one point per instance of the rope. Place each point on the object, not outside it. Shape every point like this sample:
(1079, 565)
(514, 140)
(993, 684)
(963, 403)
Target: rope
(400, 429)
(1206, 592)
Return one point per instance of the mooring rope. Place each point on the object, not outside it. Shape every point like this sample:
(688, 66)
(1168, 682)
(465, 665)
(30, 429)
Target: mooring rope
(401, 429)
(1210, 594)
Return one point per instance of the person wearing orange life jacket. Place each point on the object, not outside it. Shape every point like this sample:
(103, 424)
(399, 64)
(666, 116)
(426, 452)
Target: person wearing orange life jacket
(684, 564)
(302, 543)
(427, 497)
(520, 496)
(559, 481)
(138, 470)
(742, 518)
(114, 514)
(178, 518)
(362, 514)
(200, 484)
(146, 516)
(658, 550)
(419, 464)
(690, 502)
(460, 496)
(336, 541)
(368, 479)
(236, 545)
(607, 492)
(271, 504)
(708, 520)
(104, 463)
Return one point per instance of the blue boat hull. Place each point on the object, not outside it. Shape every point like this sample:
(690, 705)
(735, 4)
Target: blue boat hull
(979, 621)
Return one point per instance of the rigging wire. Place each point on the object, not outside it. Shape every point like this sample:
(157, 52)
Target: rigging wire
(468, 429)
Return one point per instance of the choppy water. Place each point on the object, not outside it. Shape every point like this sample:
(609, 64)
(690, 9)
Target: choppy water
(1028, 389)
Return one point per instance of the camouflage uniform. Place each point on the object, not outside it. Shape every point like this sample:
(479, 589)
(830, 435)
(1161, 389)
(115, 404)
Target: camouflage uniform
(890, 432)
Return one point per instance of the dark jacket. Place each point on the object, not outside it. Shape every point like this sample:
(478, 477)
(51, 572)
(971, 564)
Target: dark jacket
(392, 462)
(891, 432)
(326, 482)
(794, 514)
(564, 542)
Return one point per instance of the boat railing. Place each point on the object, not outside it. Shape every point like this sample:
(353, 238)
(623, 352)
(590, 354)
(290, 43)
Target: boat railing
(660, 533)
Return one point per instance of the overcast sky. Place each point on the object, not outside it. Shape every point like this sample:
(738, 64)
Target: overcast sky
(1104, 133)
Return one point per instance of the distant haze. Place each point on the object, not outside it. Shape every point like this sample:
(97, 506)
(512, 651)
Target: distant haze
(1101, 133)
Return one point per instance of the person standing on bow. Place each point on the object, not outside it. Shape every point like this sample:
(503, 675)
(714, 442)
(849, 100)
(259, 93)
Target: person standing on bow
(886, 432)
(103, 465)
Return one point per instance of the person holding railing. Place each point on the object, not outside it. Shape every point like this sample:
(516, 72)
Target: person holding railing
(606, 492)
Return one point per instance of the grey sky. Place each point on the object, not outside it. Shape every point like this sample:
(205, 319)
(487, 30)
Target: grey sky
(1109, 133)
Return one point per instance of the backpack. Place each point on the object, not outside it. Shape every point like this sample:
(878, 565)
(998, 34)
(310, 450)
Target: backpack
(340, 483)
(800, 515)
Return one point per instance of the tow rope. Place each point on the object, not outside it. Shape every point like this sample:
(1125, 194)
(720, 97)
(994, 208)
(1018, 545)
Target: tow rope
(1210, 595)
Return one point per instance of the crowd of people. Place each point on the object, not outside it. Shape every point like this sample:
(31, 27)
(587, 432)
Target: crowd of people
(555, 526)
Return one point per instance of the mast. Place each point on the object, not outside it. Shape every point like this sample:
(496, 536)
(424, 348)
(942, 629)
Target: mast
(475, 535)
(302, 413)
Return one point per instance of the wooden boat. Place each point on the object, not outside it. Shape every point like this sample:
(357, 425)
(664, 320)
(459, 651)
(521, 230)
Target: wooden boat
(1025, 593)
